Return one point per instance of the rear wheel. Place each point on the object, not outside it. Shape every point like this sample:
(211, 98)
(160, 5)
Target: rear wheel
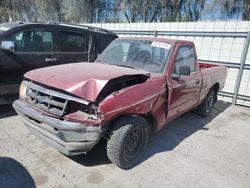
(205, 108)
(127, 141)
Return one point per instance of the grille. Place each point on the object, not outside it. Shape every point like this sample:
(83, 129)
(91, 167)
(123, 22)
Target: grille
(46, 102)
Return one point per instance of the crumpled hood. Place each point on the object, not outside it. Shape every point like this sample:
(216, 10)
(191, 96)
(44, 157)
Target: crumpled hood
(85, 80)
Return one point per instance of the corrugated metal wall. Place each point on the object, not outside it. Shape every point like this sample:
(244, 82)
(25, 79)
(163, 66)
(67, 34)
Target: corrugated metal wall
(228, 50)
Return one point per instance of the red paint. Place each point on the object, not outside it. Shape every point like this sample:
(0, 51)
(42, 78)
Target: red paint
(161, 96)
(84, 80)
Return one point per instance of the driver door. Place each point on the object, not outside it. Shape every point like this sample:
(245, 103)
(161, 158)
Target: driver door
(184, 90)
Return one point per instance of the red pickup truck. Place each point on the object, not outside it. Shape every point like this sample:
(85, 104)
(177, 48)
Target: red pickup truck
(134, 88)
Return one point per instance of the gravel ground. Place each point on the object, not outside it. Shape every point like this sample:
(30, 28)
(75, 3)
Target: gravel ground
(189, 152)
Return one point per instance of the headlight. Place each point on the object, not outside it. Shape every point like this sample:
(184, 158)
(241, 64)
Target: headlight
(22, 90)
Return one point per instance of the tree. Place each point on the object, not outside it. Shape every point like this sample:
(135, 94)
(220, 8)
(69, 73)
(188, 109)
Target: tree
(3, 11)
(171, 10)
(139, 10)
(49, 10)
(130, 9)
(229, 8)
(194, 9)
(246, 10)
(8, 10)
(77, 11)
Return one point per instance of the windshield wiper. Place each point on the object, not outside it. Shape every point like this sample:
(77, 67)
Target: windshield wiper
(101, 61)
(127, 66)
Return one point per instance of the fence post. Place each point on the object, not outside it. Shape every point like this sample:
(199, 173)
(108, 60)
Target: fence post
(242, 63)
(155, 33)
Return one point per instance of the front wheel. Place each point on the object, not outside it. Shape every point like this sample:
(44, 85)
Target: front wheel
(205, 108)
(127, 141)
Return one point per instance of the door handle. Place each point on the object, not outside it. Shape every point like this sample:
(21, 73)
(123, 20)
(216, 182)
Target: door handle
(53, 59)
(197, 82)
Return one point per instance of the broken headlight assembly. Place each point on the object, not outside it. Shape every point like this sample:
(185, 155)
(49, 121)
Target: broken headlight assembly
(88, 109)
(78, 112)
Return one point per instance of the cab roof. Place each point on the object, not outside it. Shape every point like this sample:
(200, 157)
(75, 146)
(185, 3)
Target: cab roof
(159, 39)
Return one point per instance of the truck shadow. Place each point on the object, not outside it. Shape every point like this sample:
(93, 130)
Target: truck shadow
(14, 174)
(97, 156)
(179, 129)
(6, 111)
(165, 140)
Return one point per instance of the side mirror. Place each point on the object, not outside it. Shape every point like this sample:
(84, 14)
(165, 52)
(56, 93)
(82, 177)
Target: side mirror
(8, 45)
(175, 76)
(184, 70)
(181, 70)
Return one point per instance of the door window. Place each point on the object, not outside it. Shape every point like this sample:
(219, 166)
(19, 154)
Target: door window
(74, 42)
(185, 57)
(32, 41)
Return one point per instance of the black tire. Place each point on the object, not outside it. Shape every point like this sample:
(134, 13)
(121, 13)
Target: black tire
(205, 108)
(127, 141)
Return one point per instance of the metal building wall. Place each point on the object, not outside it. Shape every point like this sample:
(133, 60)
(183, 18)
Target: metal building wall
(219, 42)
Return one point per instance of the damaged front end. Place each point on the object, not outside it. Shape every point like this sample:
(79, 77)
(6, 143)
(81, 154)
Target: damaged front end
(119, 83)
(66, 122)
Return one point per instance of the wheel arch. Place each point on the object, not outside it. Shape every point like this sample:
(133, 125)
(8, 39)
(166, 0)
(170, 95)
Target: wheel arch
(151, 122)
(216, 88)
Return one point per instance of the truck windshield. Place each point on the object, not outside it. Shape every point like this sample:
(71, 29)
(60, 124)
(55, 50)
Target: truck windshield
(150, 56)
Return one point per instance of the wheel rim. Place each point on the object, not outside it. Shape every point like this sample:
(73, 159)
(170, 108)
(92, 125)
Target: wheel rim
(133, 144)
(209, 104)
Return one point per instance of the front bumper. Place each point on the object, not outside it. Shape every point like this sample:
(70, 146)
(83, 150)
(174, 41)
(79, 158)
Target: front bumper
(67, 137)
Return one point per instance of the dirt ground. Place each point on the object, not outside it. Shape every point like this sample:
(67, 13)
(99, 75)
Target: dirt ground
(189, 152)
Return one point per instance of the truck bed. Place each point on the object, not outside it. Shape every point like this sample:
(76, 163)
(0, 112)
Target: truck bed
(211, 75)
(204, 65)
